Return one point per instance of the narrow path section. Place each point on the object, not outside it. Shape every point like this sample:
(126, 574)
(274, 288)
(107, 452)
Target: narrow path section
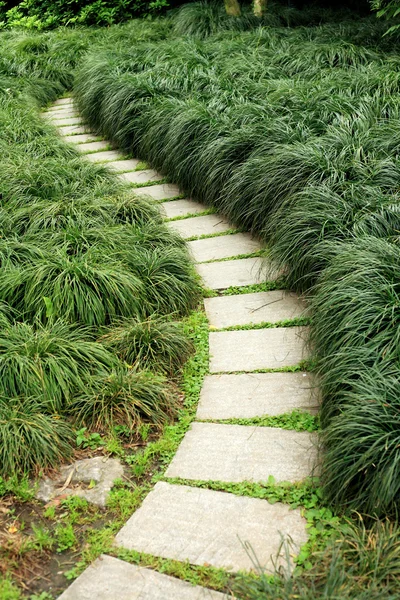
(248, 378)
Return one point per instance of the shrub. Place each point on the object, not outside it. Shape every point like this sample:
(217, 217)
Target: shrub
(150, 345)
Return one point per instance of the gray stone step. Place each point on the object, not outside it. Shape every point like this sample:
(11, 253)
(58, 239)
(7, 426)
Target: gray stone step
(61, 114)
(196, 226)
(239, 272)
(160, 192)
(72, 130)
(247, 309)
(81, 138)
(248, 395)
(123, 165)
(211, 528)
(67, 121)
(238, 453)
(143, 176)
(224, 246)
(93, 146)
(250, 350)
(106, 156)
(63, 101)
(109, 578)
(181, 208)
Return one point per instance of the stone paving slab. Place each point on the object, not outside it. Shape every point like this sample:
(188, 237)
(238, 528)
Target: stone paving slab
(196, 226)
(72, 129)
(250, 350)
(93, 146)
(240, 272)
(63, 101)
(123, 165)
(160, 192)
(109, 578)
(247, 309)
(224, 246)
(60, 114)
(106, 156)
(248, 395)
(211, 528)
(237, 453)
(66, 121)
(143, 176)
(81, 138)
(181, 208)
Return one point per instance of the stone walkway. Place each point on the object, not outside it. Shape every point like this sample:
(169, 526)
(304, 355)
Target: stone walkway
(249, 377)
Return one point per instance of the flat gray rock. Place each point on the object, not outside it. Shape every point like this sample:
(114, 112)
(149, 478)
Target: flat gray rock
(143, 176)
(163, 191)
(212, 528)
(239, 272)
(106, 156)
(181, 208)
(81, 138)
(248, 395)
(251, 350)
(248, 309)
(63, 102)
(72, 130)
(91, 478)
(237, 453)
(67, 121)
(61, 114)
(109, 578)
(93, 146)
(123, 165)
(224, 246)
(196, 226)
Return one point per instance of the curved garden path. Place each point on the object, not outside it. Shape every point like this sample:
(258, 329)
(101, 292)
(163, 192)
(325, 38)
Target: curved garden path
(250, 376)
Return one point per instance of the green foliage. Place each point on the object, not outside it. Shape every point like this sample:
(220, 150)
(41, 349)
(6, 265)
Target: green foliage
(151, 344)
(43, 14)
(387, 9)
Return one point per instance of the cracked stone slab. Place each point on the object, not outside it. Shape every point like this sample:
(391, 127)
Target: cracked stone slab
(181, 208)
(109, 578)
(93, 146)
(163, 191)
(143, 176)
(251, 350)
(206, 527)
(98, 471)
(237, 453)
(123, 165)
(239, 272)
(196, 226)
(81, 138)
(248, 309)
(106, 156)
(224, 246)
(248, 395)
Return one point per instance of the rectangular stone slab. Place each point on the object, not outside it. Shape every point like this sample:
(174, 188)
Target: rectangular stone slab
(123, 165)
(109, 578)
(60, 114)
(248, 309)
(163, 191)
(63, 101)
(224, 246)
(143, 176)
(211, 528)
(180, 208)
(196, 226)
(251, 350)
(248, 395)
(72, 130)
(237, 453)
(238, 272)
(81, 138)
(93, 146)
(106, 156)
(67, 121)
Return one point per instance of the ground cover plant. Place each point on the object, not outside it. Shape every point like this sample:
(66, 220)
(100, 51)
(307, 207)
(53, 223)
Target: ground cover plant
(293, 134)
